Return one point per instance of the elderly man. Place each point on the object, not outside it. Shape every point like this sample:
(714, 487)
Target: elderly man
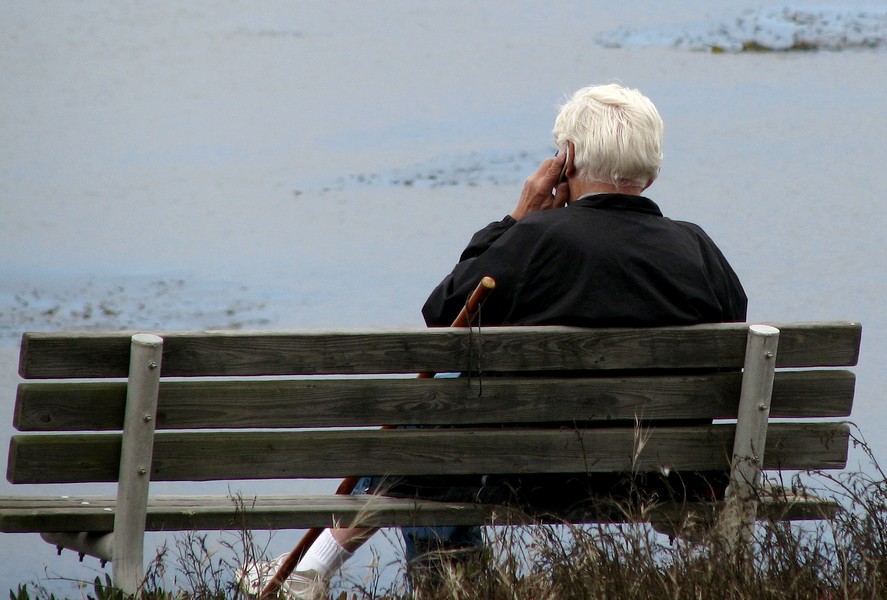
(582, 247)
(595, 253)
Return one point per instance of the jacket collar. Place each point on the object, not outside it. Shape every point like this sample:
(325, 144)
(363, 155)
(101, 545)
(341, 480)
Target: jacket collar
(640, 204)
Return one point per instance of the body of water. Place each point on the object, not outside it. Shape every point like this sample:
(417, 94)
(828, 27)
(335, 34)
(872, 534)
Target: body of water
(312, 165)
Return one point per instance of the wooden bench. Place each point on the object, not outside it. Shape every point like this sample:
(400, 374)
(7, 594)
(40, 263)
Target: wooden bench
(237, 405)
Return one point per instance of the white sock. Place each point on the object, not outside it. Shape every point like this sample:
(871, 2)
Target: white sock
(324, 556)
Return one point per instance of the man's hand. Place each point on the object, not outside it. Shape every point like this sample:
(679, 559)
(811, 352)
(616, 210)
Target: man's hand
(537, 193)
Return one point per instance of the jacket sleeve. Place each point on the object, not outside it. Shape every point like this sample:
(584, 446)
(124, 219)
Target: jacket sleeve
(448, 298)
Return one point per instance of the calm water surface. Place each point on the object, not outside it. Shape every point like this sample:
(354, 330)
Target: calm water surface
(301, 166)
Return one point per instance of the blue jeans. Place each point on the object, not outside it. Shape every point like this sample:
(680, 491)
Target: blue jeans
(419, 541)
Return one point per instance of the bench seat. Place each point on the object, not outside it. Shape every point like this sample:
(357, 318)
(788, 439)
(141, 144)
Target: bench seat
(38, 514)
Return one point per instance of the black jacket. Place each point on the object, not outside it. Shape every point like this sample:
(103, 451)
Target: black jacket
(606, 260)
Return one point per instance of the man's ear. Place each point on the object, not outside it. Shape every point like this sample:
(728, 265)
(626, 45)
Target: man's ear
(571, 159)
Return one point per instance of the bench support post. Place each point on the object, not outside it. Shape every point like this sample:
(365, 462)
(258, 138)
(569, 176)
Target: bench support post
(738, 519)
(135, 462)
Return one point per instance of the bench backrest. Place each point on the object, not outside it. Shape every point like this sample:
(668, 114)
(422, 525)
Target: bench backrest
(303, 404)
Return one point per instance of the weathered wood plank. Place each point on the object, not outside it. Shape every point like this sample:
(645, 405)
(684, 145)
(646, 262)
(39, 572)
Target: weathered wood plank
(240, 353)
(196, 456)
(219, 512)
(93, 406)
(180, 513)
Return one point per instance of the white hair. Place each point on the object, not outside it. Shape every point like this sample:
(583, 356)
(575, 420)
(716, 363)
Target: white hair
(617, 135)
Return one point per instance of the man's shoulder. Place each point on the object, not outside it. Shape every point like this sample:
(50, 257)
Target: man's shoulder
(547, 218)
(692, 228)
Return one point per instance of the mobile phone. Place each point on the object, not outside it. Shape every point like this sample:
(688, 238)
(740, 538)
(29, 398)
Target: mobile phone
(563, 176)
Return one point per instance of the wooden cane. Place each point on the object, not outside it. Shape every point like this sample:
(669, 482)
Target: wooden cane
(463, 319)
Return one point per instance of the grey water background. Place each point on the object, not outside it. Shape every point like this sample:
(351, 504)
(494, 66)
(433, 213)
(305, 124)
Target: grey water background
(314, 165)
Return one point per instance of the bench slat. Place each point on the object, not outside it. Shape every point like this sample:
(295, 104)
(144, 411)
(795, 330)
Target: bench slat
(239, 353)
(182, 513)
(196, 456)
(99, 406)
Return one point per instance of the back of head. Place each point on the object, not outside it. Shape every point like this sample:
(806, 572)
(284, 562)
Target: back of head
(617, 135)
